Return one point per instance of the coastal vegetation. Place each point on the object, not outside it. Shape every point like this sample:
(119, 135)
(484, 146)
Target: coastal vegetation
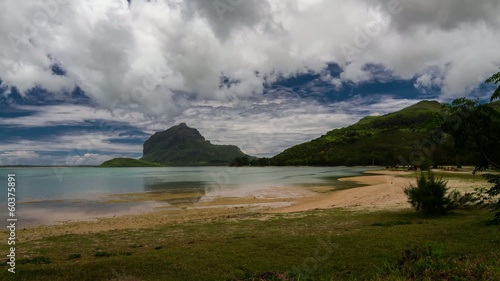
(478, 129)
(429, 196)
(422, 135)
(374, 140)
(128, 162)
(474, 127)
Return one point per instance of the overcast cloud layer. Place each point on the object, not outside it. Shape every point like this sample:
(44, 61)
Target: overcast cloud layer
(172, 60)
(159, 55)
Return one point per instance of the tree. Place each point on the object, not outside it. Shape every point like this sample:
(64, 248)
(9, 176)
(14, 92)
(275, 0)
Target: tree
(475, 128)
(495, 79)
(495, 179)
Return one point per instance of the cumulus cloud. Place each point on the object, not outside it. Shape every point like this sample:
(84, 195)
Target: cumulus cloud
(158, 57)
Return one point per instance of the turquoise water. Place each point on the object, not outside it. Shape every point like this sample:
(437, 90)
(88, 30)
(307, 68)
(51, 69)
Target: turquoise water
(51, 191)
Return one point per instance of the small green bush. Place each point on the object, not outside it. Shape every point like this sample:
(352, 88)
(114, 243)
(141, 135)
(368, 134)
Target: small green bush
(430, 196)
(102, 254)
(74, 256)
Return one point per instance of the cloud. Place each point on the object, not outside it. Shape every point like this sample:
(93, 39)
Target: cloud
(227, 17)
(445, 14)
(16, 157)
(158, 57)
(65, 150)
(154, 64)
(72, 115)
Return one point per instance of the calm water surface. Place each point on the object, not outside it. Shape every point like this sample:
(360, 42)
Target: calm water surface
(46, 195)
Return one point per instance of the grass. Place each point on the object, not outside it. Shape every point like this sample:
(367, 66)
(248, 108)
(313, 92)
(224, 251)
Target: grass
(433, 263)
(319, 245)
(392, 223)
(35, 260)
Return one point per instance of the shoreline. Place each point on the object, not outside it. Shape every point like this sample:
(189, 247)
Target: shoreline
(379, 190)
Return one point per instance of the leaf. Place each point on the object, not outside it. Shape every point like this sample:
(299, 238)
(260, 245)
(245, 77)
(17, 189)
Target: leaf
(495, 79)
(496, 95)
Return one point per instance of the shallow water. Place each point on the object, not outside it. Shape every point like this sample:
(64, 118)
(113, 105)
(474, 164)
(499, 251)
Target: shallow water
(48, 195)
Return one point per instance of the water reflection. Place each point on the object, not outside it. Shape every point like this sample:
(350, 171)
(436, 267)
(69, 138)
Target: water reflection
(177, 193)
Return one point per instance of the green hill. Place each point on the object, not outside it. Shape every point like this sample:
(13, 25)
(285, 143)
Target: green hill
(379, 140)
(128, 162)
(185, 146)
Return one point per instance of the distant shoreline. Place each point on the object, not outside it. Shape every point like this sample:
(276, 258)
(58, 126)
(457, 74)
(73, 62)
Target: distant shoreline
(47, 166)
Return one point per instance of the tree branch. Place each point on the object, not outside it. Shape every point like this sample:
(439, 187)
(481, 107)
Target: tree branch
(487, 158)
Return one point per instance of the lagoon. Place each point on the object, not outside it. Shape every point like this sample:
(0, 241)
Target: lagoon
(49, 195)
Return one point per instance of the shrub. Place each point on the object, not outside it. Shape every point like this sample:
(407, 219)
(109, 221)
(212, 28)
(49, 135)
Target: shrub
(429, 196)
(102, 254)
(74, 256)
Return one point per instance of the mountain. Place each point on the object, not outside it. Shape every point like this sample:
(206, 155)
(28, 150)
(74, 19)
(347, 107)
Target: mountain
(184, 146)
(128, 162)
(379, 140)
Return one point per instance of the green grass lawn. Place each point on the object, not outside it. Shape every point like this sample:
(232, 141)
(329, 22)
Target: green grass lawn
(317, 245)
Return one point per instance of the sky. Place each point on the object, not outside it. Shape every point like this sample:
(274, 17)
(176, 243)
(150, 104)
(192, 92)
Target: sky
(82, 82)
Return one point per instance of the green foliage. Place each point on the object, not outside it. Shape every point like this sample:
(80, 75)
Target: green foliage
(430, 195)
(239, 161)
(495, 79)
(128, 162)
(74, 256)
(475, 129)
(492, 193)
(102, 254)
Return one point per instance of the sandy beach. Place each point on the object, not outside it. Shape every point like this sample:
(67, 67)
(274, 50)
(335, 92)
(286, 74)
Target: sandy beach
(379, 190)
